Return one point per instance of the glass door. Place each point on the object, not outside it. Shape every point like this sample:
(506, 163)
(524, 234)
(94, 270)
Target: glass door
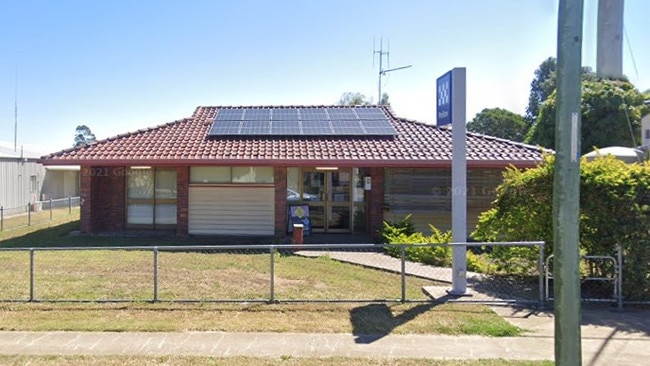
(328, 194)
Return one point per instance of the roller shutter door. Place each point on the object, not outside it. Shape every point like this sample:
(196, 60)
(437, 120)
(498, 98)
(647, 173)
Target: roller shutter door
(231, 211)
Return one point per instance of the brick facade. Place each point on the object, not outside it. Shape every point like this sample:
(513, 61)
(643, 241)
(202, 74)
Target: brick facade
(182, 200)
(103, 199)
(280, 179)
(376, 202)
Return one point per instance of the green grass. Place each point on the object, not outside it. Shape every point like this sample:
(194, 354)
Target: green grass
(248, 361)
(239, 276)
(16, 226)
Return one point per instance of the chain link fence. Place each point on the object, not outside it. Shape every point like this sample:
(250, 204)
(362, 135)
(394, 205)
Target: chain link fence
(253, 273)
(34, 213)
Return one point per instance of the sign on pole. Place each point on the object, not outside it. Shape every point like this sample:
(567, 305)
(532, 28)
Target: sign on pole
(451, 109)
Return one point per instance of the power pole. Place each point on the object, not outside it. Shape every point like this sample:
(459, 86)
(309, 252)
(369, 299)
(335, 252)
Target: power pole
(609, 50)
(566, 185)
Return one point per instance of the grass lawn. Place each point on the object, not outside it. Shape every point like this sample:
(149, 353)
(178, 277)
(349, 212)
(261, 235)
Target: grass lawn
(245, 277)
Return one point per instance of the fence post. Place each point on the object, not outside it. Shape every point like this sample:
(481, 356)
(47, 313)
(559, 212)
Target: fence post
(155, 274)
(2, 218)
(50, 208)
(541, 269)
(31, 274)
(403, 270)
(29, 214)
(619, 277)
(272, 270)
(69, 205)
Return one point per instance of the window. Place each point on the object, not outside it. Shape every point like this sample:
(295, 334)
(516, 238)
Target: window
(33, 184)
(647, 134)
(228, 175)
(151, 197)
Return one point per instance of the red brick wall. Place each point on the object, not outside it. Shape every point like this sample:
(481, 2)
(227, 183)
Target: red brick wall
(108, 198)
(376, 202)
(280, 179)
(86, 202)
(182, 200)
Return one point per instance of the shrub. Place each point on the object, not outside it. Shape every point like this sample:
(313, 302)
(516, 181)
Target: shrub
(614, 209)
(404, 233)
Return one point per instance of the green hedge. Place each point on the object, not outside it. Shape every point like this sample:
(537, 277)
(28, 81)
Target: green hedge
(614, 208)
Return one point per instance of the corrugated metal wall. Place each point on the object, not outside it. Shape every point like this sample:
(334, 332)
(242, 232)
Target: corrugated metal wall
(231, 210)
(16, 179)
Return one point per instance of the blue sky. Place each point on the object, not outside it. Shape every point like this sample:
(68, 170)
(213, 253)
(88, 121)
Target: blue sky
(122, 65)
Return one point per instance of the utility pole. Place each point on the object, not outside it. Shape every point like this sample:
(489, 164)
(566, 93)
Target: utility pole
(609, 50)
(566, 185)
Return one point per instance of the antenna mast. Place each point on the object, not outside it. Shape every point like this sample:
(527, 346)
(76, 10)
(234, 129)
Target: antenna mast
(16, 112)
(383, 72)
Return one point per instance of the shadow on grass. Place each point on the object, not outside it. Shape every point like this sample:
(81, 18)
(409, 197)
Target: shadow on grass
(372, 322)
(67, 235)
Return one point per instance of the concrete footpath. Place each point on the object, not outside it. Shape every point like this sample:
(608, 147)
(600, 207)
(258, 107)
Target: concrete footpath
(604, 344)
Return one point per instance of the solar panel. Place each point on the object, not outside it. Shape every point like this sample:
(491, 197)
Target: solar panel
(225, 128)
(347, 128)
(230, 115)
(257, 114)
(315, 121)
(370, 113)
(289, 128)
(341, 114)
(255, 128)
(284, 114)
(316, 128)
(313, 114)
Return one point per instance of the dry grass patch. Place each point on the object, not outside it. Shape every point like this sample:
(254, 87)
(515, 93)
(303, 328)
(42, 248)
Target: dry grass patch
(247, 361)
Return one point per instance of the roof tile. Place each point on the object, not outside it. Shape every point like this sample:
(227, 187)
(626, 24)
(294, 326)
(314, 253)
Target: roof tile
(186, 141)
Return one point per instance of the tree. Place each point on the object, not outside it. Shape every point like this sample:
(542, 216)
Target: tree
(83, 136)
(543, 85)
(541, 88)
(352, 99)
(611, 113)
(500, 123)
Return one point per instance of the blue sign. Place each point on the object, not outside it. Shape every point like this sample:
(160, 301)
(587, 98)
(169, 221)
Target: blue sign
(443, 97)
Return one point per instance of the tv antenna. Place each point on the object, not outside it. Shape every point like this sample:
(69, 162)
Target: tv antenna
(16, 112)
(382, 71)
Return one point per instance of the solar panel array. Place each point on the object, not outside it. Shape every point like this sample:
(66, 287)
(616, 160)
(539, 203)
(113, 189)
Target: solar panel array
(339, 121)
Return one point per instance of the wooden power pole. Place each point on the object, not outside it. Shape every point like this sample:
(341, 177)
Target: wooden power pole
(566, 185)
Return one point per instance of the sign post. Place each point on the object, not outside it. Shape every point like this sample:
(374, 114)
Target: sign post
(451, 109)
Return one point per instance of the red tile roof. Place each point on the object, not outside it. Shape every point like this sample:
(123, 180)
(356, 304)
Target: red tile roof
(186, 142)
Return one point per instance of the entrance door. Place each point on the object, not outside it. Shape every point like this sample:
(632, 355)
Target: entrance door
(328, 194)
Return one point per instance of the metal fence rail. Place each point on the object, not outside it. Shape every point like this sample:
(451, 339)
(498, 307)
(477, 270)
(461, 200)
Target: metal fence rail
(33, 213)
(249, 273)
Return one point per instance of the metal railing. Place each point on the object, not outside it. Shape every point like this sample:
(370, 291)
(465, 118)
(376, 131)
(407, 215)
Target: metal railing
(33, 213)
(602, 285)
(224, 273)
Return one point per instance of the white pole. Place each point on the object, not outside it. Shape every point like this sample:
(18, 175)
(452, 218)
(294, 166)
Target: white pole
(609, 51)
(459, 181)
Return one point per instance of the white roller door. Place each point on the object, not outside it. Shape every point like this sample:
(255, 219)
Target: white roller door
(231, 211)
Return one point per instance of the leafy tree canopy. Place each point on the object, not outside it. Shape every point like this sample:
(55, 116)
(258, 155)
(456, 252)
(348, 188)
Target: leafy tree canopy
(544, 84)
(500, 123)
(83, 136)
(611, 113)
(352, 99)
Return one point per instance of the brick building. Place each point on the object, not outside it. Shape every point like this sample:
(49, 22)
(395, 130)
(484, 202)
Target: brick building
(238, 170)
